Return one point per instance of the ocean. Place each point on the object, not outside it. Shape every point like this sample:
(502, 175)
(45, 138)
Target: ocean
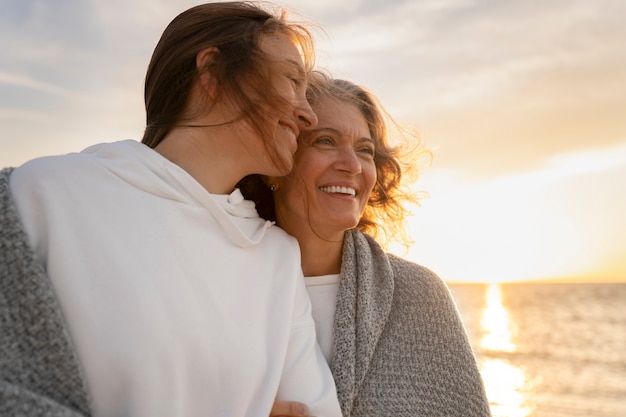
(549, 350)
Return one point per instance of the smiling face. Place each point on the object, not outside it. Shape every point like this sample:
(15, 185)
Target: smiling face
(292, 112)
(333, 175)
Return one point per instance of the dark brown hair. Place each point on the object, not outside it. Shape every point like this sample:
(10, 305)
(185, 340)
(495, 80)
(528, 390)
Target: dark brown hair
(241, 69)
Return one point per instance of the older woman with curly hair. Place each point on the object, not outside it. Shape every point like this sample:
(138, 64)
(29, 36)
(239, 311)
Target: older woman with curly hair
(388, 327)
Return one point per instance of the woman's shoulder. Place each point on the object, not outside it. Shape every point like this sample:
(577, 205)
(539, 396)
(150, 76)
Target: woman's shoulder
(50, 169)
(405, 266)
(75, 163)
(407, 275)
(417, 280)
(278, 239)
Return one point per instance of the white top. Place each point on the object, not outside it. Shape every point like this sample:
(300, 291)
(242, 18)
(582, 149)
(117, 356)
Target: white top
(178, 302)
(323, 293)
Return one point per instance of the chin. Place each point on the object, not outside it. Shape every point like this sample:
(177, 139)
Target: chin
(278, 163)
(286, 164)
(342, 224)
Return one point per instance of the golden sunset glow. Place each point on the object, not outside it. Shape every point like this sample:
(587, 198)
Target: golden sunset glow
(526, 126)
(495, 322)
(507, 385)
(557, 221)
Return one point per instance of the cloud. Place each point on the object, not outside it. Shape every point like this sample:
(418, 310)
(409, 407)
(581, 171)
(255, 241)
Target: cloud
(585, 162)
(563, 218)
(19, 80)
(500, 87)
(510, 84)
(12, 115)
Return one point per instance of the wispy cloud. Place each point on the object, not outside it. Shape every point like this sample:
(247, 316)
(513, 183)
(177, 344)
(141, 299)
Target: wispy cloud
(9, 115)
(19, 80)
(513, 82)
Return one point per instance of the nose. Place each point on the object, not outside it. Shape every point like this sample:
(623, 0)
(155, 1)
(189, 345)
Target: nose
(348, 161)
(307, 119)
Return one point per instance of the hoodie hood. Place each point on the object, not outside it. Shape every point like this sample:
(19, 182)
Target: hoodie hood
(149, 171)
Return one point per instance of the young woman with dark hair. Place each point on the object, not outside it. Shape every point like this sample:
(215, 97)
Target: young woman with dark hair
(135, 280)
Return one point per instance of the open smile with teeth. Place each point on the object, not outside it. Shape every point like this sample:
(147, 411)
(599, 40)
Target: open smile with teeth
(340, 190)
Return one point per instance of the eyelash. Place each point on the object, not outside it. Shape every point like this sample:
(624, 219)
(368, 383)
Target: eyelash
(297, 82)
(369, 151)
(324, 140)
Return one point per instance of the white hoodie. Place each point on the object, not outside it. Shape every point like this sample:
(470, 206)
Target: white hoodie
(178, 302)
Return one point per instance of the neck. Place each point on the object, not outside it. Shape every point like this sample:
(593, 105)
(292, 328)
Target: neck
(320, 257)
(206, 155)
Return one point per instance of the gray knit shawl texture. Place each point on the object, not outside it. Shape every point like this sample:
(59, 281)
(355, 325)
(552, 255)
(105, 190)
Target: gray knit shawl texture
(39, 374)
(400, 348)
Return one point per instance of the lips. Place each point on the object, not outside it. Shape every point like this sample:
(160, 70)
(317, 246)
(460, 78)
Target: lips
(336, 189)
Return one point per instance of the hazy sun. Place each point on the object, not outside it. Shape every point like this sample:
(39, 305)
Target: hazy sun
(529, 226)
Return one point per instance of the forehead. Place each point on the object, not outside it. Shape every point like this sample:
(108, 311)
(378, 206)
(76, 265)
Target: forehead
(340, 115)
(280, 47)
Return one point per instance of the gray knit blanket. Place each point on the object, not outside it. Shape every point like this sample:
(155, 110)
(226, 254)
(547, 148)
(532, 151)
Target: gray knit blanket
(39, 374)
(400, 346)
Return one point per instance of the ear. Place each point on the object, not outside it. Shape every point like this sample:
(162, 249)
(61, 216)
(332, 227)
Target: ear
(207, 81)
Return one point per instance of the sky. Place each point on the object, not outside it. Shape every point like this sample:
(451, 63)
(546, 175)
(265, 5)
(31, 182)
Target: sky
(522, 103)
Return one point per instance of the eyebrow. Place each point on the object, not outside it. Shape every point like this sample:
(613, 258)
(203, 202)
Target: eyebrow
(298, 66)
(367, 139)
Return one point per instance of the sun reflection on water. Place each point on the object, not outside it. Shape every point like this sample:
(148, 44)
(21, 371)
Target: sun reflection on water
(496, 324)
(506, 384)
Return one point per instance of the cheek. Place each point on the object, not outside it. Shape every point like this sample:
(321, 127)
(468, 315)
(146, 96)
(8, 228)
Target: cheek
(370, 177)
(292, 191)
(285, 90)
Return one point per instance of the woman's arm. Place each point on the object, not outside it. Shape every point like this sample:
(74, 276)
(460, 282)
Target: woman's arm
(289, 409)
(306, 375)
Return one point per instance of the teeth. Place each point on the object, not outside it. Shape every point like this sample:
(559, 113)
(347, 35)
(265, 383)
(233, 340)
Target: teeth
(337, 189)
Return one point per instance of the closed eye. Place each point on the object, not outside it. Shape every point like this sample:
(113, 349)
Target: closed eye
(295, 73)
(297, 79)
